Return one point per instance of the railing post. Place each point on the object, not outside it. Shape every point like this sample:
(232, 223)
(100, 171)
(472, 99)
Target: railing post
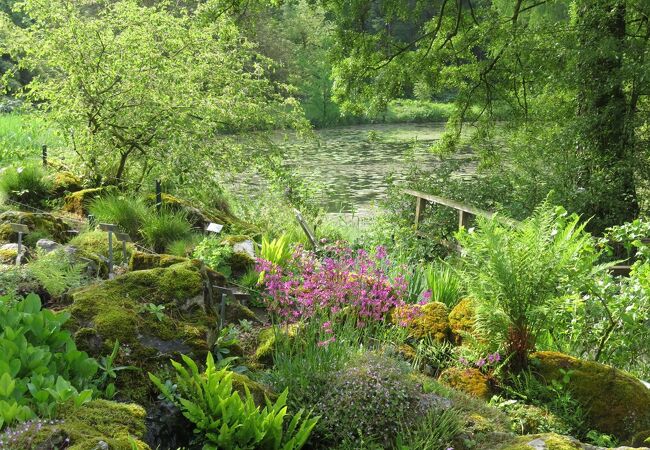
(463, 218)
(420, 203)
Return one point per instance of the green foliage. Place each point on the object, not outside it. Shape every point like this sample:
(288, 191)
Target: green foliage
(26, 184)
(164, 228)
(215, 254)
(224, 420)
(128, 213)
(40, 366)
(22, 136)
(443, 283)
(57, 272)
(127, 126)
(276, 251)
(516, 274)
(436, 430)
(372, 398)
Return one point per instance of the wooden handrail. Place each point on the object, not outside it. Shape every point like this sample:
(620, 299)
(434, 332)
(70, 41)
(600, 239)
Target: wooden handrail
(463, 209)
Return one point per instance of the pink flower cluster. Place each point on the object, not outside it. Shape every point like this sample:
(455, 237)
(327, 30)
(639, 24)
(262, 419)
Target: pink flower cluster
(351, 281)
(486, 362)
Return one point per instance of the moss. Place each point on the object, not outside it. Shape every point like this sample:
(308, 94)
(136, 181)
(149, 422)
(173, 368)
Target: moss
(144, 261)
(259, 391)
(431, 319)
(45, 224)
(266, 342)
(200, 218)
(240, 263)
(615, 403)
(115, 310)
(117, 424)
(235, 312)
(8, 256)
(552, 441)
(63, 182)
(468, 380)
(462, 319)
(77, 202)
(235, 239)
(94, 246)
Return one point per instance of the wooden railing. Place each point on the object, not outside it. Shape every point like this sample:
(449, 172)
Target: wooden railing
(465, 212)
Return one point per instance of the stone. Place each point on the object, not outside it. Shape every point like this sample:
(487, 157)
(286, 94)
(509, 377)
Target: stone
(47, 245)
(614, 402)
(41, 225)
(247, 247)
(9, 254)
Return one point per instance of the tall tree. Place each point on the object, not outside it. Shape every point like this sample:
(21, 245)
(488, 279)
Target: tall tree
(145, 89)
(554, 86)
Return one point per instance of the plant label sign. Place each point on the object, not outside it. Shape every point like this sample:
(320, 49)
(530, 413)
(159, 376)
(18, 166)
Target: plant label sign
(19, 228)
(214, 227)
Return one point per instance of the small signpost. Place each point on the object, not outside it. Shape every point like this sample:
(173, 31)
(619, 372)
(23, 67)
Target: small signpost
(124, 237)
(110, 229)
(20, 229)
(225, 293)
(158, 196)
(214, 228)
(44, 155)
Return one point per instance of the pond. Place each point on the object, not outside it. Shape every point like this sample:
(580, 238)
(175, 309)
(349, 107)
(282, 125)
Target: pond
(350, 164)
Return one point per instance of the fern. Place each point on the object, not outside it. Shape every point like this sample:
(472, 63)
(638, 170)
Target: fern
(517, 274)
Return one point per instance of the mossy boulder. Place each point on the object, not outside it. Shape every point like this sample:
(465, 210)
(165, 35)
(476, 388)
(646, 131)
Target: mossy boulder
(8, 254)
(155, 315)
(615, 402)
(119, 426)
(41, 225)
(200, 218)
(641, 439)
(266, 342)
(143, 261)
(467, 379)
(93, 245)
(429, 320)
(259, 391)
(547, 441)
(77, 202)
(462, 319)
(64, 182)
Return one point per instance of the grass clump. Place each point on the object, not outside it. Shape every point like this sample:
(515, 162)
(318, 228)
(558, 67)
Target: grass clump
(128, 213)
(26, 184)
(167, 227)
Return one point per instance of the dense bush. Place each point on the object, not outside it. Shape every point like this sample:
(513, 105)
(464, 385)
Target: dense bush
(27, 185)
(223, 420)
(371, 399)
(40, 366)
(517, 273)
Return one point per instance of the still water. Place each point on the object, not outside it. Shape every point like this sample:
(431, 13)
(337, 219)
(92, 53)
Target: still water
(350, 164)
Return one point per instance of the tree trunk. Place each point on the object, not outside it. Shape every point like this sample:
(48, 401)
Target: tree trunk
(605, 132)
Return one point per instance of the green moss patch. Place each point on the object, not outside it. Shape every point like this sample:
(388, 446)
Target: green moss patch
(548, 441)
(123, 309)
(144, 261)
(615, 403)
(77, 202)
(43, 224)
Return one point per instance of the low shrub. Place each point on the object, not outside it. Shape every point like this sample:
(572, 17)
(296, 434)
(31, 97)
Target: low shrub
(214, 254)
(372, 398)
(40, 366)
(57, 272)
(223, 420)
(27, 185)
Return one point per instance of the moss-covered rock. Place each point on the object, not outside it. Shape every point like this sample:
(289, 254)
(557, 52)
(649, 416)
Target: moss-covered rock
(77, 202)
(41, 225)
(128, 309)
(259, 391)
(143, 261)
(119, 426)
(468, 380)
(266, 342)
(429, 320)
(200, 218)
(614, 402)
(548, 441)
(64, 182)
(8, 255)
(462, 320)
(93, 245)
